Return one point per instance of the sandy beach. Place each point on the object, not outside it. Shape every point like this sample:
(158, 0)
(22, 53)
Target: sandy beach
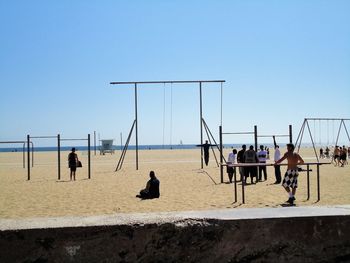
(184, 186)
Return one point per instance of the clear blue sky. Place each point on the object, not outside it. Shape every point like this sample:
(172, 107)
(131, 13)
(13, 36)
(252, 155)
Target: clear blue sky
(282, 61)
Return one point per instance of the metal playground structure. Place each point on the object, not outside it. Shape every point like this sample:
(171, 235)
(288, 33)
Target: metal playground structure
(29, 151)
(135, 122)
(256, 137)
(312, 135)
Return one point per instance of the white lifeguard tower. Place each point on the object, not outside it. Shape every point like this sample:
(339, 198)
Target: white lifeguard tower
(106, 147)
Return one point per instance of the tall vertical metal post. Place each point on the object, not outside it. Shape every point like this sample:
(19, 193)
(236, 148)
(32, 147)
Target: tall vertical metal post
(95, 142)
(308, 181)
(24, 155)
(121, 141)
(221, 159)
(318, 183)
(201, 120)
(59, 156)
(136, 130)
(290, 133)
(336, 142)
(256, 137)
(89, 157)
(28, 156)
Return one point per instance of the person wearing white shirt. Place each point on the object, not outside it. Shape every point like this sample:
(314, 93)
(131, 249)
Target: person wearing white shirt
(231, 159)
(262, 156)
(277, 156)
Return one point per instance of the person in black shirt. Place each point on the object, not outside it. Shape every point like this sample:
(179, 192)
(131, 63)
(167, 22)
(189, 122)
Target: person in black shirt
(152, 188)
(72, 163)
(206, 147)
(240, 159)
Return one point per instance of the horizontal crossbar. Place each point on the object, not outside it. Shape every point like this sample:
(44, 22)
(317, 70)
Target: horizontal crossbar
(13, 142)
(74, 139)
(326, 119)
(166, 81)
(238, 132)
(281, 135)
(43, 137)
(266, 164)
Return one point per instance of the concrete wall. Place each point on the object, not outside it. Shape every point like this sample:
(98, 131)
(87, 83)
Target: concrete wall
(288, 239)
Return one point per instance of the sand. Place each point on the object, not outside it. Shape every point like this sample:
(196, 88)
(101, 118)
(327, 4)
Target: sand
(184, 186)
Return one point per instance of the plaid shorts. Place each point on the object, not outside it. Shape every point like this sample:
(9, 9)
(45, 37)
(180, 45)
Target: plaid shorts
(290, 179)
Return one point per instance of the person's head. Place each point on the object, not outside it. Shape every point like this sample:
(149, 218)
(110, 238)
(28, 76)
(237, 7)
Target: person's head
(206, 141)
(251, 147)
(73, 149)
(277, 147)
(244, 146)
(234, 151)
(152, 174)
(290, 147)
(261, 147)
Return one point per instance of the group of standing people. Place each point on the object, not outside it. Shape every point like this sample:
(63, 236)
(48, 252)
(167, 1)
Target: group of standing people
(248, 156)
(290, 180)
(340, 155)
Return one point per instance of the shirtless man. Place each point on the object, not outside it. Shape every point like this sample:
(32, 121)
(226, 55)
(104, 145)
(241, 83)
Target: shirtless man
(290, 180)
(336, 155)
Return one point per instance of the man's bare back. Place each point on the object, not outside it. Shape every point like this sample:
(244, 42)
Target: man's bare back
(293, 159)
(290, 180)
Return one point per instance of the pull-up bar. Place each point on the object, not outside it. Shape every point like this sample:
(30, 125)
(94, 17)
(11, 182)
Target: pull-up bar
(58, 136)
(89, 152)
(23, 150)
(281, 164)
(269, 136)
(254, 132)
(135, 123)
(290, 135)
(166, 82)
(256, 136)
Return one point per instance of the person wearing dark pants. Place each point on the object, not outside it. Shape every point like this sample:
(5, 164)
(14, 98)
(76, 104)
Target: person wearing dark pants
(206, 146)
(251, 157)
(277, 156)
(240, 159)
(262, 155)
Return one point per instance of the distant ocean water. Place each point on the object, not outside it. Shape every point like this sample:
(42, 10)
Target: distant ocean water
(85, 148)
(131, 147)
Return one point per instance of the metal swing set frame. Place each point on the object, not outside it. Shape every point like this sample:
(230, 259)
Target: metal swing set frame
(306, 125)
(134, 126)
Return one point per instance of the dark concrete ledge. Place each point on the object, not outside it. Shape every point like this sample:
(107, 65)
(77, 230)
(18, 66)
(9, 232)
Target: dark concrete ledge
(299, 234)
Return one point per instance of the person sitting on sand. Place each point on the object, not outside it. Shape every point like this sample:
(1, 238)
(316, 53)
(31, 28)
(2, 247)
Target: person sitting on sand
(290, 179)
(72, 163)
(152, 188)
